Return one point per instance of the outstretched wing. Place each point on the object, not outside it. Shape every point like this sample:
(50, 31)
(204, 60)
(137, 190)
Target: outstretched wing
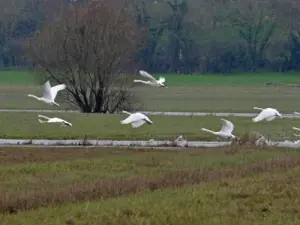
(162, 80)
(137, 123)
(56, 89)
(227, 126)
(133, 118)
(266, 114)
(296, 128)
(147, 75)
(47, 91)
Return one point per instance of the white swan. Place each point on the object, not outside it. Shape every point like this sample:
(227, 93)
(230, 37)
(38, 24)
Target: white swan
(261, 141)
(225, 132)
(53, 120)
(153, 82)
(298, 129)
(267, 114)
(180, 141)
(136, 119)
(49, 93)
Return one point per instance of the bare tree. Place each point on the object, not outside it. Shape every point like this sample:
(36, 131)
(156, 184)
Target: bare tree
(255, 21)
(89, 47)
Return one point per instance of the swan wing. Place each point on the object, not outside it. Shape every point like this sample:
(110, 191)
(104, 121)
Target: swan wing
(147, 75)
(264, 114)
(56, 120)
(47, 91)
(227, 126)
(270, 118)
(56, 89)
(132, 118)
(137, 123)
(162, 80)
(296, 128)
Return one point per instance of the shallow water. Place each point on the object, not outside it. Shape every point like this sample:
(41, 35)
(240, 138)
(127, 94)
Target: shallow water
(128, 143)
(113, 143)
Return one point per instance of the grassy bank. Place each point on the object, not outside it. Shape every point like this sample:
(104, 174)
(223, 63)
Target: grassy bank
(99, 126)
(26, 77)
(212, 93)
(115, 186)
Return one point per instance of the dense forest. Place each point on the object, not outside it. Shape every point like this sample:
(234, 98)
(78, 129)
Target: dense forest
(178, 36)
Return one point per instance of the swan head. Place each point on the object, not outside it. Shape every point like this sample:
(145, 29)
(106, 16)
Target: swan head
(278, 115)
(67, 123)
(162, 85)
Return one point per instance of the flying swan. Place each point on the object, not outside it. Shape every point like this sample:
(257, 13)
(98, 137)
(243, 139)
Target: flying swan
(225, 132)
(49, 93)
(267, 114)
(298, 129)
(152, 82)
(136, 119)
(53, 120)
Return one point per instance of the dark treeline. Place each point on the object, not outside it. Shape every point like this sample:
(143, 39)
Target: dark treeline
(182, 36)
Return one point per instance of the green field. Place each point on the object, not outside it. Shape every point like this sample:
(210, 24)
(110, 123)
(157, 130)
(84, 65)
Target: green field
(103, 126)
(210, 93)
(26, 77)
(119, 186)
(238, 184)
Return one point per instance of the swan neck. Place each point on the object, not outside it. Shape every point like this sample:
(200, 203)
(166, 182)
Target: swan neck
(210, 131)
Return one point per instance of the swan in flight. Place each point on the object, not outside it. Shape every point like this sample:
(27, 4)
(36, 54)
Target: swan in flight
(152, 81)
(49, 93)
(225, 132)
(136, 119)
(298, 129)
(267, 114)
(53, 120)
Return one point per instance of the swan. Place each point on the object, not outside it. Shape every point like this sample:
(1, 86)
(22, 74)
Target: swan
(298, 129)
(267, 114)
(152, 82)
(225, 132)
(136, 119)
(180, 141)
(53, 120)
(49, 93)
(261, 141)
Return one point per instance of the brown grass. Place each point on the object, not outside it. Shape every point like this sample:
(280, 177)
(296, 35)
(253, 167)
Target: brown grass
(15, 155)
(118, 187)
